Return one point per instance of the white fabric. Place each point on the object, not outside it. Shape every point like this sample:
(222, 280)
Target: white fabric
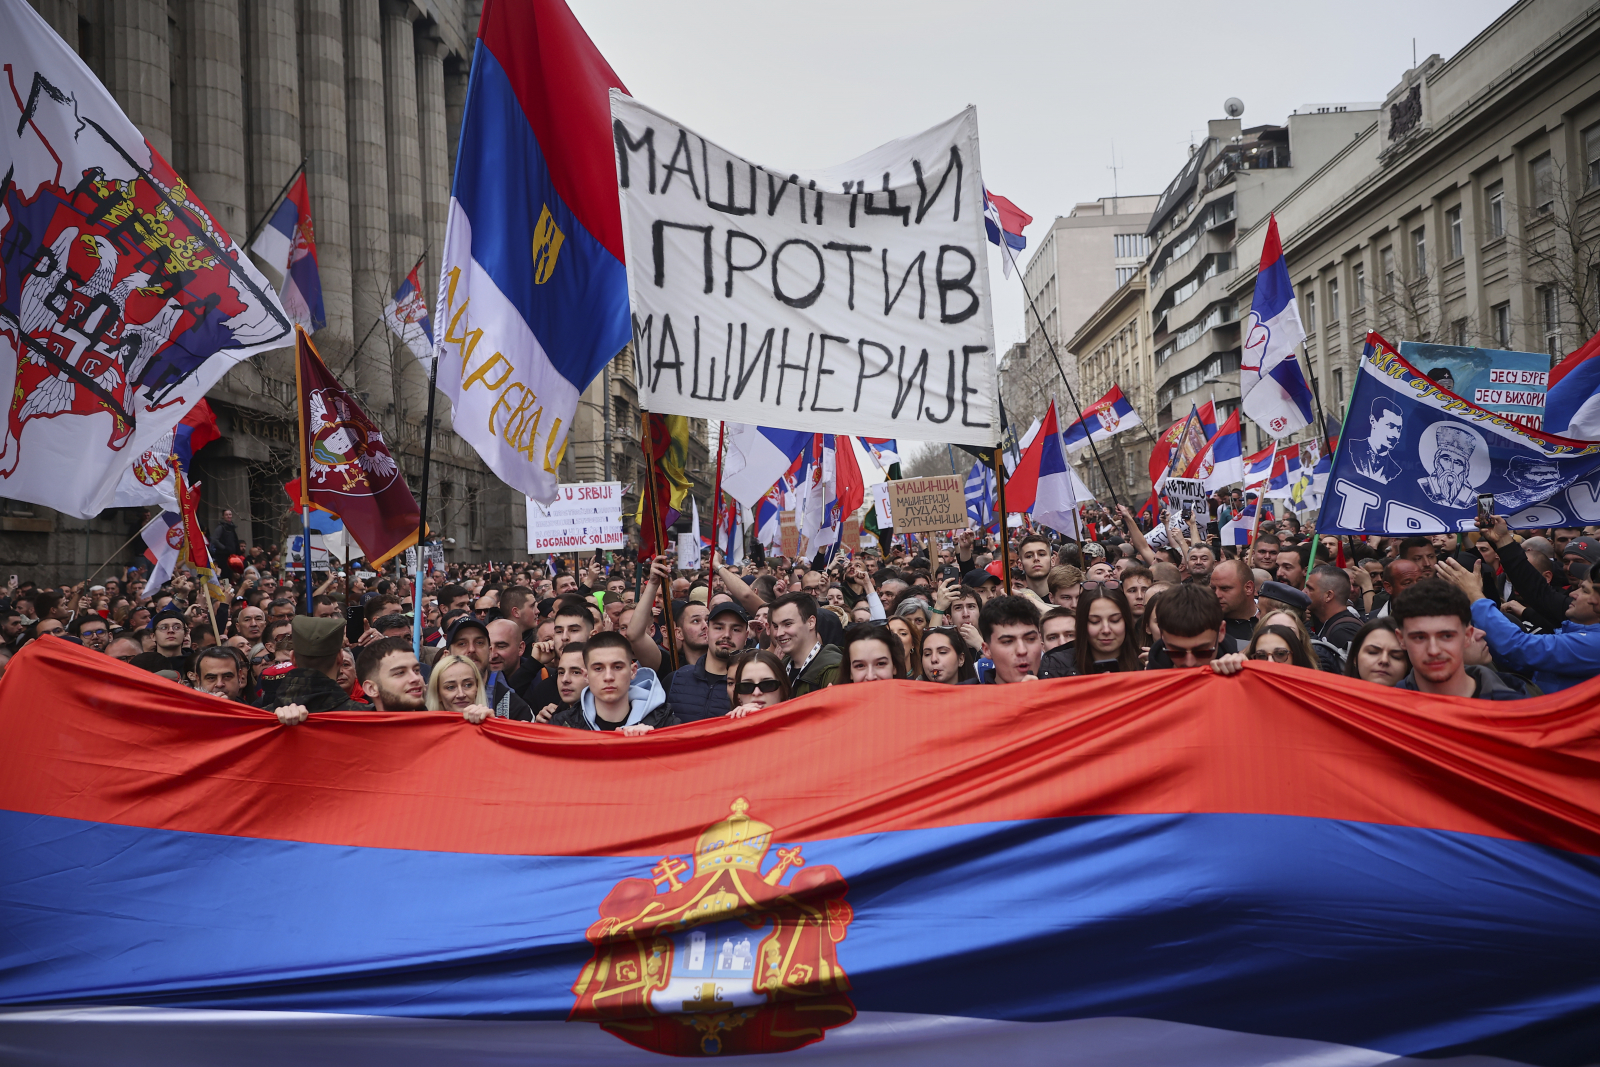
(507, 399)
(162, 546)
(63, 459)
(405, 322)
(706, 294)
(751, 464)
(689, 543)
(180, 1037)
(148, 480)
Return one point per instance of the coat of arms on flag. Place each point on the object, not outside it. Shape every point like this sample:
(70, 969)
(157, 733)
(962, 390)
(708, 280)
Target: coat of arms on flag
(726, 960)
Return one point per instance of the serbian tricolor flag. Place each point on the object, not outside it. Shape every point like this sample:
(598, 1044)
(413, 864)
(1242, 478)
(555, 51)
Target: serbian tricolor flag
(1221, 463)
(1572, 404)
(532, 269)
(1240, 529)
(1272, 386)
(755, 457)
(1004, 222)
(407, 317)
(1285, 471)
(1258, 466)
(1109, 415)
(1171, 867)
(288, 245)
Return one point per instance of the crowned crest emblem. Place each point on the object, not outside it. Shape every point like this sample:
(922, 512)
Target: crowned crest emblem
(712, 956)
(1109, 419)
(346, 451)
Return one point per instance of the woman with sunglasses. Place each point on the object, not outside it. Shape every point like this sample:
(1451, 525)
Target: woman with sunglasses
(872, 652)
(946, 658)
(1279, 644)
(758, 680)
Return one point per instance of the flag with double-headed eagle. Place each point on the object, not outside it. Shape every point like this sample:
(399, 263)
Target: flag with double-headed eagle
(122, 297)
(148, 479)
(346, 468)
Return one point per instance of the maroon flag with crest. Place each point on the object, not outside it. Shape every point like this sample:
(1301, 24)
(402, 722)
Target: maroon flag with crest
(346, 469)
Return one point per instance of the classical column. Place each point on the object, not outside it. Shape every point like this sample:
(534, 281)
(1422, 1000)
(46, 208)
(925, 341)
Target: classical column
(216, 155)
(369, 201)
(323, 140)
(406, 234)
(62, 15)
(272, 71)
(456, 74)
(138, 68)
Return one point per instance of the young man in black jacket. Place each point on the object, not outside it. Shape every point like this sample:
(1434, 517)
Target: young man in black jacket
(620, 696)
(1336, 622)
(699, 690)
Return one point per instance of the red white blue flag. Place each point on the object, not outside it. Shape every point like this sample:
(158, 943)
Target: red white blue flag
(1106, 417)
(288, 244)
(122, 297)
(1271, 384)
(407, 317)
(1572, 402)
(1163, 867)
(1004, 223)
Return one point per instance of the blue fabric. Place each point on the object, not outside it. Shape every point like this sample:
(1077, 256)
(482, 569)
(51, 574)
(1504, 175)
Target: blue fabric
(580, 314)
(1555, 661)
(1404, 940)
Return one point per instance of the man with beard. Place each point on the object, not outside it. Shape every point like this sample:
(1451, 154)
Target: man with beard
(699, 690)
(391, 676)
(1448, 484)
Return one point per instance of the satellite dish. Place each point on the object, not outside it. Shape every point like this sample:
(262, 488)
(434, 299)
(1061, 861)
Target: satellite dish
(1233, 107)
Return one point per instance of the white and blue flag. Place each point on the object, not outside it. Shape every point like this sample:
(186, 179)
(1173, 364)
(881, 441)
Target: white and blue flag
(1271, 383)
(980, 494)
(756, 457)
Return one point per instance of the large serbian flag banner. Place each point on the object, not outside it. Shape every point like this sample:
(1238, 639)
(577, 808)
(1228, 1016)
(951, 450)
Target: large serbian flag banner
(1161, 868)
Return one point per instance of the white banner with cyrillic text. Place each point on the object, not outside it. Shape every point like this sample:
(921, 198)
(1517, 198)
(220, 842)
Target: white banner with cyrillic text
(851, 300)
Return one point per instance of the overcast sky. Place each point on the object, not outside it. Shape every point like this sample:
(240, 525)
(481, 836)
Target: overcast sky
(1056, 84)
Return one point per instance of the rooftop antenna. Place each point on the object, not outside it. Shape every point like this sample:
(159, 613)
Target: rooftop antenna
(1413, 53)
(1113, 169)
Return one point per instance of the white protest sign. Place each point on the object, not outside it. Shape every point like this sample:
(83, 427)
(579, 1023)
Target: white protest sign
(880, 504)
(1186, 492)
(852, 300)
(584, 516)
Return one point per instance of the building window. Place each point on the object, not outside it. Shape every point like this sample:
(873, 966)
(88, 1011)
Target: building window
(1386, 257)
(1452, 226)
(1591, 156)
(1333, 300)
(1124, 273)
(1419, 251)
(1550, 318)
(1500, 316)
(1497, 209)
(1311, 308)
(1338, 391)
(1458, 333)
(1358, 276)
(1542, 182)
(1130, 245)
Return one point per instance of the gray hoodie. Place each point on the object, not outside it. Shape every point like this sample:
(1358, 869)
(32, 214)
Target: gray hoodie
(647, 705)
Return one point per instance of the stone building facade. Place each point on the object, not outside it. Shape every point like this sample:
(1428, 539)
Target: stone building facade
(369, 94)
(1467, 213)
(1113, 348)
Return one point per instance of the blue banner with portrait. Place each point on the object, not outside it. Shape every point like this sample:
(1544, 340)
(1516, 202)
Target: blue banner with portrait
(1414, 458)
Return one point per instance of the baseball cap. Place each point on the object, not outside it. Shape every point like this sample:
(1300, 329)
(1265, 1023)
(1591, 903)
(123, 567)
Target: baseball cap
(460, 624)
(1285, 594)
(976, 579)
(728, 607)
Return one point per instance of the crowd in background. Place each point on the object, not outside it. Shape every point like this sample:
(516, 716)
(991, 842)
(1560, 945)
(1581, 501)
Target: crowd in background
(615, 644)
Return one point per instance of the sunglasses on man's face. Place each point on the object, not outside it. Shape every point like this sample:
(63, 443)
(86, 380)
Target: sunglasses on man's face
(766, 685)
(1200, 654)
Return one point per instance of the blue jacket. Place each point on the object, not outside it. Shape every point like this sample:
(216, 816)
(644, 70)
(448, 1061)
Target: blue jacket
(697, 693)
(1556, 661)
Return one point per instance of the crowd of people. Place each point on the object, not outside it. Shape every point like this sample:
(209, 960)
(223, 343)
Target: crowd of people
(629, 647)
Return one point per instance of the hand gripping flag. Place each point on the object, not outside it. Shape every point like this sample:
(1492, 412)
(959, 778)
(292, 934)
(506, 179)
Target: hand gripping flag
(1413, 459)
(1004, 223)
(1279, 867)
(346, 468)
(407, 317)
(1273, 388)
(756, 457)
(289, 245)
(1572, 402)
(533, 297)
(121, 299)
(1109, 415)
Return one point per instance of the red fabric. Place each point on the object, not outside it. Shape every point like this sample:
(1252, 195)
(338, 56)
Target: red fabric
(654, 542)
(1589, 350)
(848, 485)
(83, 736)
(563, 84)
(202, 423)
(1272, 246)
(1022, 485)
(361, 484)
(194, 551)
(1012, 218)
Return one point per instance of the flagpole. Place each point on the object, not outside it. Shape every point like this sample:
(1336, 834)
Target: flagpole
(716, 510)
(305, 462)
(1088, 433)
(256, 231)
(1000, 498)
(1316, 393)
(136, 535)
(661, 537)
(422, 508)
